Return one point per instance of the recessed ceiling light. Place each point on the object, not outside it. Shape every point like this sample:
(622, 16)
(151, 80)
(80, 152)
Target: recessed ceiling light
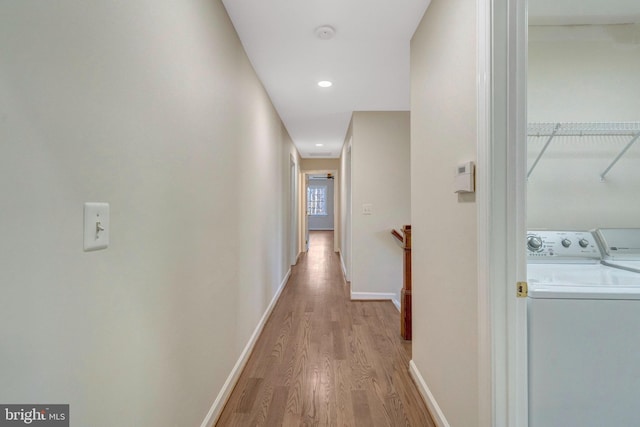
(319, 145)
(325, 32)
(325, 83)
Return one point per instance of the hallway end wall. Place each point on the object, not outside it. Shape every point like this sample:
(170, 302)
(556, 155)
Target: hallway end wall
(324, 222)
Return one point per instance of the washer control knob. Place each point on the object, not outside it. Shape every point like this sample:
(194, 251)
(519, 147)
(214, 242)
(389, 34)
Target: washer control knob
(534, 243)
(583, 243)
(566, 243)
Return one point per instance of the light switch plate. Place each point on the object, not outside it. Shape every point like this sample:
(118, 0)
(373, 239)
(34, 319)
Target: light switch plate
(367, 209)
(96, 226)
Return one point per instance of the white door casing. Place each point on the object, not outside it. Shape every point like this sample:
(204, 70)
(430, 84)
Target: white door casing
(502, 32)
(306, 213)
(293, 215)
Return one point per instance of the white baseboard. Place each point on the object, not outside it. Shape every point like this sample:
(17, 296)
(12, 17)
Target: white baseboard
(396, 303)
(432, 405)
(372, 296)
(232, 379)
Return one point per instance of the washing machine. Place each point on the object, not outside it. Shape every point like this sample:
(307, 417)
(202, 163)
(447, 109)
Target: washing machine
(620, 247)
(583, 334)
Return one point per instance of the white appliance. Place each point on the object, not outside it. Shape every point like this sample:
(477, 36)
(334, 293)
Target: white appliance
(620, 247)
(583, 334)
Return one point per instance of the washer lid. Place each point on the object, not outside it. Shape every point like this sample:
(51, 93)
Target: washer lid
(584, 292)
(585, 281)
(625, 265)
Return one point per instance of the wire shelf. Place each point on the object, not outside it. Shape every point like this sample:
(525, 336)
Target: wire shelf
(550, 131)
(584, 129)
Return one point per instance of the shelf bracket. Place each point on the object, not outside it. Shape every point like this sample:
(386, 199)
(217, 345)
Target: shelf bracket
(622, 153)
(546, 145)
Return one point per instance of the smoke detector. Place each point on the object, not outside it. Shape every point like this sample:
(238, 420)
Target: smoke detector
(325, 32)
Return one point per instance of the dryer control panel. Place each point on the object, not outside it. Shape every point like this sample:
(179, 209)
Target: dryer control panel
(562, 246)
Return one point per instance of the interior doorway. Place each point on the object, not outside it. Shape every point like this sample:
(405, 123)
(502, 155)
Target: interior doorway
(320, 204)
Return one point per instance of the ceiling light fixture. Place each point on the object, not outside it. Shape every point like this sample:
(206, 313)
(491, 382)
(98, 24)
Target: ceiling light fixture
(325, 83)
(319, 145)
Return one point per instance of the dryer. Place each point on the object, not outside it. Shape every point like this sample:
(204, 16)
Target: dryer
(620, 247)
(583, 334)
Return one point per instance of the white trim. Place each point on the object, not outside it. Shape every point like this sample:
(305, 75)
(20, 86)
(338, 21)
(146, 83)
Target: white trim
(427, 396)
(357, 296)
(337, 185)
(517, 197)
(294, 229)
(232, 379)
(344, 268)
(348, 226)
(375, 296)
(321, 229)
(502, 374)
(487, 376)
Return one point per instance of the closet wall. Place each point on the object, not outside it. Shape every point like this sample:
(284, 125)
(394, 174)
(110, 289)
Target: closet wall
(584, 74)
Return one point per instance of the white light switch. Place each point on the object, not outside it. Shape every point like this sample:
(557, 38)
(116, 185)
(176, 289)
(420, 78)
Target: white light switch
(96, 226)
(367, 209)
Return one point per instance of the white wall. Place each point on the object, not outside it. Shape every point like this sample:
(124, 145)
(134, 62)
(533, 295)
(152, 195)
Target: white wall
(154, 108)
(323, 222)
(444, 225)
(584, 74)
(380, 177)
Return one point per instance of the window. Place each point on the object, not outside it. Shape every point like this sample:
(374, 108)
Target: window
(317, 200)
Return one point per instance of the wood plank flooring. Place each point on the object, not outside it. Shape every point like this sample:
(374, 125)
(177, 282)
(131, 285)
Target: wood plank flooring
(324, 360)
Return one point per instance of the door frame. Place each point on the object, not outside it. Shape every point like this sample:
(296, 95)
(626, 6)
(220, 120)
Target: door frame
(293, 211)
(348, 188)
(501, 198)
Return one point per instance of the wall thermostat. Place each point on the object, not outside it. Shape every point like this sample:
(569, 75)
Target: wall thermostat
(465, 181)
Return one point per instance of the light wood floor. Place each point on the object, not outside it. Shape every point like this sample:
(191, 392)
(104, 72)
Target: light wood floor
(323, 360)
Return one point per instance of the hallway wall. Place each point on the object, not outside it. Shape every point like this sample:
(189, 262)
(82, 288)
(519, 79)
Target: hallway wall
(154, 108)
(444, 225)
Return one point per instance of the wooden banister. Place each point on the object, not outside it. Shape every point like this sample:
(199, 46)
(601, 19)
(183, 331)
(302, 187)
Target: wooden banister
(403, 238)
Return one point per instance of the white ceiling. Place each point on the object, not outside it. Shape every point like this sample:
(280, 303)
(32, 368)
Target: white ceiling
(367, 60)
